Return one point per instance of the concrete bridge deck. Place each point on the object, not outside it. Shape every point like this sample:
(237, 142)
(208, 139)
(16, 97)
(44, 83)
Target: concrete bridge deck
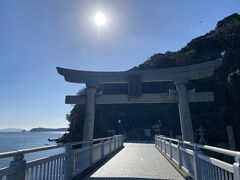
(136, 161)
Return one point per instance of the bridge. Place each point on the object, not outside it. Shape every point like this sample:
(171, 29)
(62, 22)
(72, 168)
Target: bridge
(110, 158)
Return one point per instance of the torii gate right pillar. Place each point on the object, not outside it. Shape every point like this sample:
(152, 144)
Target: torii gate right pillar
(184, 111)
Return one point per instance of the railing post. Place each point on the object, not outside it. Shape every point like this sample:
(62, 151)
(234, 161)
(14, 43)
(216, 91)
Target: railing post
(236, 168)
(155, 141)
(115, 143)
(110, 146)
(102, 148)
(165, 146)
(91, 152)
(118, 140)
(170, 149)
(196, 165)
(179, 155)
(160, 140)
(19, 165)
(121, 139)
(68, 167)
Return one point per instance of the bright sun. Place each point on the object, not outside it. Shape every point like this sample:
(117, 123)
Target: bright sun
(100, 19)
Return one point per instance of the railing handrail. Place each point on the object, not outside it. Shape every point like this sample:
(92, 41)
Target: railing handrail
(171, 139)
(43, 148)
(206, 147)
(199, 164)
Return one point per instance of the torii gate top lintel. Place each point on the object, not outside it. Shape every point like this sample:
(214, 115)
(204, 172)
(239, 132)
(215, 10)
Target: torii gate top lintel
(190, 72)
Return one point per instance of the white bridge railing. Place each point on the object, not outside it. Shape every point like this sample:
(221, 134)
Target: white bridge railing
(63, 166)
(193, 159)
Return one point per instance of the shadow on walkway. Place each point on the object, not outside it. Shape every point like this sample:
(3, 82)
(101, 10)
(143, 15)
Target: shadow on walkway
(141, 141)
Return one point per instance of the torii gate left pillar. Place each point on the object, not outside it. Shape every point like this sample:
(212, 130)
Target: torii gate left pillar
(89, 113)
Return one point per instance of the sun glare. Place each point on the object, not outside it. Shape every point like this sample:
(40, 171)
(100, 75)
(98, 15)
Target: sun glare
(100, 19)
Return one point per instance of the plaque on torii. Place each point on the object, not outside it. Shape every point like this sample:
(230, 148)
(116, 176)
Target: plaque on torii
(178, 75)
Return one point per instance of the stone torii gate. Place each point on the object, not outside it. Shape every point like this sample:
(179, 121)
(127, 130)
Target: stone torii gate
(178, 75)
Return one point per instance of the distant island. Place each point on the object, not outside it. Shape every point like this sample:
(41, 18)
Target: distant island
(41, 129)
(12, 130)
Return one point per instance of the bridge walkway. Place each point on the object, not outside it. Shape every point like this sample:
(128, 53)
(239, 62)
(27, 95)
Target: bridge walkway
(136, 161)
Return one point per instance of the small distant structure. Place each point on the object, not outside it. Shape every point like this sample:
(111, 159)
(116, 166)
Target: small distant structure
(179, 137)
(231, 139)
(147, 132)
(201, 132)
(171, 133)
(111, 132)
(223, 53)
(155, 129)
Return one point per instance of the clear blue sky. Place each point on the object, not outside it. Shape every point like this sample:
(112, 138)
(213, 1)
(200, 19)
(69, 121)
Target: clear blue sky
(38, 35)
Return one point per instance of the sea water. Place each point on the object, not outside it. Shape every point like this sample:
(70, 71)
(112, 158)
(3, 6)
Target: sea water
(12, 141)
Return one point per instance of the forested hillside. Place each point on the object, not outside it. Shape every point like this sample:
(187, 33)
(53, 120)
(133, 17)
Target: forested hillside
(224, 41)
